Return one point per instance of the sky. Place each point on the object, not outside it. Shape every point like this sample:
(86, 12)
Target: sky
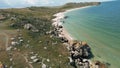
(27, 3)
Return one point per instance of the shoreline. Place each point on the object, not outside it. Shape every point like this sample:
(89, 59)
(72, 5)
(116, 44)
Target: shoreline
(72, 42)
(57, 22)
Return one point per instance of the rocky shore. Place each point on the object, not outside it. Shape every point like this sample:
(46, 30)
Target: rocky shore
(79, 51)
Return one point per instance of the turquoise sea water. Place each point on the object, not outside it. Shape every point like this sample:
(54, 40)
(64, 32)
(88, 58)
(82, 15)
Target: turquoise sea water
(100, 27)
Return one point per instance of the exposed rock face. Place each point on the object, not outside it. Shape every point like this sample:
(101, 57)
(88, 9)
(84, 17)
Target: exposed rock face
(78, 52)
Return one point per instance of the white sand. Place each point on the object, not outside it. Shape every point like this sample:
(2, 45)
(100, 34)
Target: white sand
(57, 21)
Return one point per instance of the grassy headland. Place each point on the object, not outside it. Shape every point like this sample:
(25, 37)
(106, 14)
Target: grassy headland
(36, 40)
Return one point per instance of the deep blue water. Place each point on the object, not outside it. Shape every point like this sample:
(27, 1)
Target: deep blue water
(100, 27)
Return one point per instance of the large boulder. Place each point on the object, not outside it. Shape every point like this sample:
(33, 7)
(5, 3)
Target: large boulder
(28, 26)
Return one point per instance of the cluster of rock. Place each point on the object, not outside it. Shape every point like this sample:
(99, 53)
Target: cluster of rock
(15, 41)
(79, 51)
(35, 58)
(58, 32)
(79, 54)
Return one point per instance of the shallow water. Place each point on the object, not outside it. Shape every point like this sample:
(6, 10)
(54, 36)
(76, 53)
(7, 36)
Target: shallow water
(100, 27)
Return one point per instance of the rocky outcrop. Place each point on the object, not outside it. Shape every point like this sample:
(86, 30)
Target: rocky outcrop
(31, 27)
(78, 52)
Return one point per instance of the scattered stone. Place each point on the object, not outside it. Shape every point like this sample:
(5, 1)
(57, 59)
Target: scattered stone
(35, 60)
(18, 30)
(9, 48)
(20, 34)
(36, 54)
(70, 59)
(21, 40)
(33, 57)
(27, 26)
(13, 43)
(28, 41)
(40, 41)
(48, 60)
(44, 66)
(60, 55)
(60, 62)
(50, 67)
(45, 48)
(15, 48)
(11, 66)
(19, 50)
(27, 45)
(30, 62)
(12, 39)
(11, 59)
(31, 53)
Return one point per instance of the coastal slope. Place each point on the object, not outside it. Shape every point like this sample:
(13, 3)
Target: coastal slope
(32, 44)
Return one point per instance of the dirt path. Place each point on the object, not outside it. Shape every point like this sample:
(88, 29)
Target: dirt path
(7, 39)
(6, 34)
(7, 45)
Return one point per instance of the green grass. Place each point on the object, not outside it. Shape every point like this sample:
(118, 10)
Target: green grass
(40, 17)
(52, 52)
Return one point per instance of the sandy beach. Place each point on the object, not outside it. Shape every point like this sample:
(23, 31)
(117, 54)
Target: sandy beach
(57, 22)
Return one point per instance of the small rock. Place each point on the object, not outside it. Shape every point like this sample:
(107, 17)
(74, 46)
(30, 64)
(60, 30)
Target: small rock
(11, 66)
(35, 60)
(33, 57)
(40, 41)
(48, 60)
(11, 59)
(60, 55)
(36, 54)
(19, 50)
(28, 41)
(13, 43)
(15, 48)
(12, 39)
(31, 52)
(30, 62)
(21, 40)
(45, 48)
(44, 66)
(8, 48)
